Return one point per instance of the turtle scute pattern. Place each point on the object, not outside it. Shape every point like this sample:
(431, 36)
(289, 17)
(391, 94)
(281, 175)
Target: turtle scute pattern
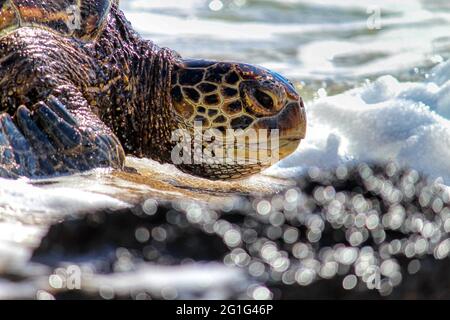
(214, 93)
(74, 18)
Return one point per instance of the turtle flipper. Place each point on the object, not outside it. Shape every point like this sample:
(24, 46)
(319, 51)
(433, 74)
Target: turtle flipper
(79, 146)
(17, 158)
(49, 140)
(65, 134)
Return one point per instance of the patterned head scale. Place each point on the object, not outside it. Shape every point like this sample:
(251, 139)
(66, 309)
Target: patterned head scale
(242, 99)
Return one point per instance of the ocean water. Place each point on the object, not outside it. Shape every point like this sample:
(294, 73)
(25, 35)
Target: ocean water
(330, 41)
(373, 74)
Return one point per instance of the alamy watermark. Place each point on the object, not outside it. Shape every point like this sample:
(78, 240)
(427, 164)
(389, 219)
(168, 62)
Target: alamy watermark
(66, 278)
(374, 22)
(372, 278)
(233, 147)
(73, 18)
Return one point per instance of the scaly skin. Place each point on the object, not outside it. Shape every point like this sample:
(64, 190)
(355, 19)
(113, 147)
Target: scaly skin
(105, 93)
(106, 99)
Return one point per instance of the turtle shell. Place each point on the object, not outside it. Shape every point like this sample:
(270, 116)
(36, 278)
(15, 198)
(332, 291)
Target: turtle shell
(83, 19)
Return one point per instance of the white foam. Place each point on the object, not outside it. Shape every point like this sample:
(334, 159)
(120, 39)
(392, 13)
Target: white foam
(382, 121)
(212, 280)
(20, 197)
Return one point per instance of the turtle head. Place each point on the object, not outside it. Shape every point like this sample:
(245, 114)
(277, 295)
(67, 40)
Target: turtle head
(255, 114)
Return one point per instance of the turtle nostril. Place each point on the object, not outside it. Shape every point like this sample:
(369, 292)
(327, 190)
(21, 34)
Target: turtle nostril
(264, 99)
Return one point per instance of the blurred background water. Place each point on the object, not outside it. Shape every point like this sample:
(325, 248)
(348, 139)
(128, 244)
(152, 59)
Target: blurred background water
(322, 44)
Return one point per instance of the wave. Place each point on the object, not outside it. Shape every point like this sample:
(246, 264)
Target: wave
(385, 120)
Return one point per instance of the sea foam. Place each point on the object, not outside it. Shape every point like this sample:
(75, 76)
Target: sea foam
(385, 120)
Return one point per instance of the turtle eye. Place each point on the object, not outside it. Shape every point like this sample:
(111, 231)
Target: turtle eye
(264, 99)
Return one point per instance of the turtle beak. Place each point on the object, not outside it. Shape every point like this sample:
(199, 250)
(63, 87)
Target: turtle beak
(291, 126)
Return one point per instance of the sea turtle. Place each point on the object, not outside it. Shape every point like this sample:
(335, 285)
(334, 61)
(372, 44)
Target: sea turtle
(80, 89)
